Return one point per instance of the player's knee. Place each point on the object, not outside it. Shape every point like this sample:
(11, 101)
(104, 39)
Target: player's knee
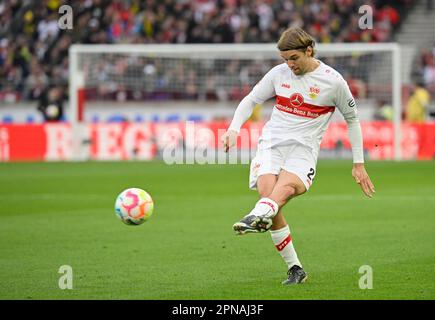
(285, 193)
(265, 185)
(265, 193)
(264, 190)
(289, 191)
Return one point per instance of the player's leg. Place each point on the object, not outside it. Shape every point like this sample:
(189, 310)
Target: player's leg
(279, 189)
(264, 170)
(288, 186)
(266, 211)
(295, 179)
(265, 184)
(252, 223)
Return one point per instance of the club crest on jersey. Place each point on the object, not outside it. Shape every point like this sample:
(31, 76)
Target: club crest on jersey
(314, 92)
(296, 100)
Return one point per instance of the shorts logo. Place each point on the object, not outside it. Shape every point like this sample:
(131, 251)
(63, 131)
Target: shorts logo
(296, 100)
(351, 103)
(255, 169)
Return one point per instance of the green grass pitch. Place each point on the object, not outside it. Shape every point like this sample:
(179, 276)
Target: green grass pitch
(55, 214)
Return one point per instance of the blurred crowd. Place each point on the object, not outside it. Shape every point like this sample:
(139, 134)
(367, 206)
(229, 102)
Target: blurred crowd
(424, 68)
(34, 51)
(120, 77)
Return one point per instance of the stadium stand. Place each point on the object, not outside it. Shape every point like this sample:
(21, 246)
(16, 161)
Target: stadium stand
(424, 68)
(34, 51)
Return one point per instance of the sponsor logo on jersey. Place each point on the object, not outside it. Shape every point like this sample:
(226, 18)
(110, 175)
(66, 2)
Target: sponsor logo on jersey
(285, 85)
(296, 105)
(296, 100)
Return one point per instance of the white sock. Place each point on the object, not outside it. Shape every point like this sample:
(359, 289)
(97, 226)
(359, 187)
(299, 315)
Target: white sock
(265, 207)
(283, 242)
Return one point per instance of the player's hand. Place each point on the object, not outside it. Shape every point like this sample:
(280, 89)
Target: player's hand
(229, 139)
(361, 177)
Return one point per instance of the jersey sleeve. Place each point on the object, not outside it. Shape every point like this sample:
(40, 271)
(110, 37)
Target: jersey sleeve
(264, 89)
(261, 92)
(345, 102)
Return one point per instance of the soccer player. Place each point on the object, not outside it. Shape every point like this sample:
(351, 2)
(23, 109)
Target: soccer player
(307, 93)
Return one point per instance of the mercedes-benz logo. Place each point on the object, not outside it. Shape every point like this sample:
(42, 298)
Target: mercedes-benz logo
(296, 100)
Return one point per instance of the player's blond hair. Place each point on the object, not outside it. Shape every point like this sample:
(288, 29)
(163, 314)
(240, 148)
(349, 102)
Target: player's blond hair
(295, 39)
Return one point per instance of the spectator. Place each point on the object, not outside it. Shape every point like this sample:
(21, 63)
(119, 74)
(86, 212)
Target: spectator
(170, 21)
(48, 28)
(429, 73)
(416, 108)
(51, 104)
(384, 111)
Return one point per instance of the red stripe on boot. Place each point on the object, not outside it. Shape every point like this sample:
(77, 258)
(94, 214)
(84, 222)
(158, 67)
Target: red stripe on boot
(283, 243)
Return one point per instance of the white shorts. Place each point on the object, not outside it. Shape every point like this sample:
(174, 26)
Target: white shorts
(293, 157)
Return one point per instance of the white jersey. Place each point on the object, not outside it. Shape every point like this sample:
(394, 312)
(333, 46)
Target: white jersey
(304, 106)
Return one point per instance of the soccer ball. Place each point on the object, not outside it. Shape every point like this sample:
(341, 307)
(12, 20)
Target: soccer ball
(134, 206)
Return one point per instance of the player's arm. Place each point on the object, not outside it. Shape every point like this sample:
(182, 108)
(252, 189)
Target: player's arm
(260, 93)
(347, 106)
(242, 113)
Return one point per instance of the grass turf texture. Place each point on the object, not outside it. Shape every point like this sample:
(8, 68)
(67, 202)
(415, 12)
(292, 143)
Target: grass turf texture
(55, 214)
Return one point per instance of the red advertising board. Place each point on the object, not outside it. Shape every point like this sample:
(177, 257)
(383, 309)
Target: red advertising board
(124, 141)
